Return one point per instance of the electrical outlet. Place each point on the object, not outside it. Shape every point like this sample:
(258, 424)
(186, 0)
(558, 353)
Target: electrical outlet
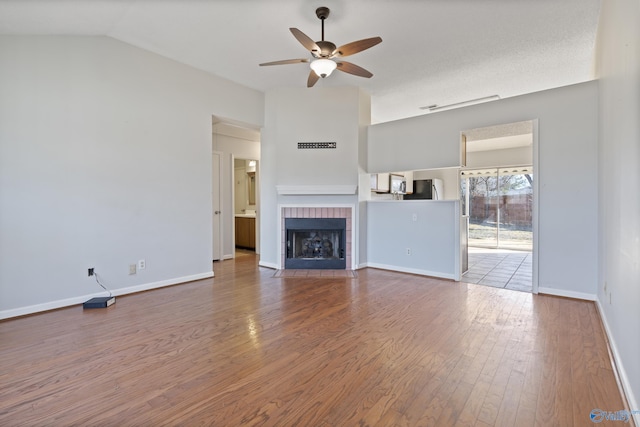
(90, 271)
(414, 217)
(142, 264)
(408, 251)
(132, 269)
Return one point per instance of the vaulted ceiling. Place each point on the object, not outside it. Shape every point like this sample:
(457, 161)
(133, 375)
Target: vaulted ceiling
(434, 52)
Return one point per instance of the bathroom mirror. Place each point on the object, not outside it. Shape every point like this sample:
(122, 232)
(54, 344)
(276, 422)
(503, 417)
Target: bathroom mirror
(251, 187)
(246, 177)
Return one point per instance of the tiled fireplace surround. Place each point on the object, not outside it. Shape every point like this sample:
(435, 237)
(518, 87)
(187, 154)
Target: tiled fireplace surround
(318, 212)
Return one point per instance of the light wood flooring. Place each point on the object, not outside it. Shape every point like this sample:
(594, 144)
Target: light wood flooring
(246, 348)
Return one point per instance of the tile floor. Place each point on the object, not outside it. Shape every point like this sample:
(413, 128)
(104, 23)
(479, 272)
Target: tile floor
(499, 268)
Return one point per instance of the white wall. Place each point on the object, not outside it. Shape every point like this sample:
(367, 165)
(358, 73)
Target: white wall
(318, 114)
(237, 143)
(364, 120)
(105, 159)
(566, 171)
(423, 142)
(429, 229)
(297, 115)
(619, 173)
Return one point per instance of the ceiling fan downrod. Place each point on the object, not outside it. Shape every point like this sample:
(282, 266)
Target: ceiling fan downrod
(322, 13)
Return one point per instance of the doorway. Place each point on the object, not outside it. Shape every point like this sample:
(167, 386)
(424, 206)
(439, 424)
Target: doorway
(235, 140)
(497, 188)
(245, 201)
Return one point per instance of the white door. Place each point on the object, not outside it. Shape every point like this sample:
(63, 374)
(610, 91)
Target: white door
(217, 205)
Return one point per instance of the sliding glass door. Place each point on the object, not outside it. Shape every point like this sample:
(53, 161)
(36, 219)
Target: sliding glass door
(499, 203)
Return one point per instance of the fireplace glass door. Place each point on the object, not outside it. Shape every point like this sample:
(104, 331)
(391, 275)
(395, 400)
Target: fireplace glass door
(315, 243)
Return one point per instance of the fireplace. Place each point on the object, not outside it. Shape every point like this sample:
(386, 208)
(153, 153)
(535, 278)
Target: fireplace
(313, 212)
(315, 243)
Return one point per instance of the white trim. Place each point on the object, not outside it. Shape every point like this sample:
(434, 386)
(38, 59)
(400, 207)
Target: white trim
(163, 283)
(317, 205)
(219, 178)
(232, 190)
(568, 294)
(535, 218)
(227, 256)
(267, 265)
(457, 274)
(52, 305)
(315, 190)
(619, 367)
(437, 274)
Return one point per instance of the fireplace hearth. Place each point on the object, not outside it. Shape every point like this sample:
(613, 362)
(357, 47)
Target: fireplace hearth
(315, 243)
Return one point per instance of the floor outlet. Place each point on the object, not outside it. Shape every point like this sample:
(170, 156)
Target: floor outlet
(132, 269)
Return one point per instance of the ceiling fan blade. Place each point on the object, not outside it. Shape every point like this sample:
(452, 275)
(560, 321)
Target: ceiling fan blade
(305, 40)
(285, 61)
(350, 68)
(313, 78)
(357, 46)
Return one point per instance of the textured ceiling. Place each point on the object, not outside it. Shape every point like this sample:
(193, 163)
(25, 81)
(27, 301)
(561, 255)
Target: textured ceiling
(433, 52)
(498, 137)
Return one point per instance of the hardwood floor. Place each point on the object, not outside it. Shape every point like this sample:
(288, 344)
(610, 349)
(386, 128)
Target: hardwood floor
(246, 348)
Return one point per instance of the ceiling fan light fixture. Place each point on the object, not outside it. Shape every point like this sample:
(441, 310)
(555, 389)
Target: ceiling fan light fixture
(323, 67)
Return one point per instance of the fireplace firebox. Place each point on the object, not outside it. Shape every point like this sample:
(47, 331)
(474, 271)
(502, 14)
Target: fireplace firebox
(315, 243)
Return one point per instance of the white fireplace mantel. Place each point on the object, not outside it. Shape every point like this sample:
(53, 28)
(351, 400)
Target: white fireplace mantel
(315, 190)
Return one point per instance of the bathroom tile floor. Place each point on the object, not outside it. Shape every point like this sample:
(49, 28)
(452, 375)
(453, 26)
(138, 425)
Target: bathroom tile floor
(500, 268)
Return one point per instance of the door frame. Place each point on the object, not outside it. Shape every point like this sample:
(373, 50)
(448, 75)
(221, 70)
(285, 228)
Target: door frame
(216, 182)
(536, 197)
(536, 205)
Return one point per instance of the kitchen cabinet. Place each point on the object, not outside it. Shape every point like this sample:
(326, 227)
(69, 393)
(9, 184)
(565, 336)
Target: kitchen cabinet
(245, 232)
(408, 176)
(380, 182)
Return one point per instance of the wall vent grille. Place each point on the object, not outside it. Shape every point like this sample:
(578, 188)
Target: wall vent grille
(315, 145)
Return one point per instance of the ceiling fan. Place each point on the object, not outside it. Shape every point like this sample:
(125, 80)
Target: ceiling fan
(324, 52)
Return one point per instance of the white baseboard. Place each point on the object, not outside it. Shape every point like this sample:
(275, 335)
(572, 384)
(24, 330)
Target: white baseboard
(568, 294)
(162, 283)
(227, 256)
(622, 373)
(52, 305)
(268, 265)
(438, 274)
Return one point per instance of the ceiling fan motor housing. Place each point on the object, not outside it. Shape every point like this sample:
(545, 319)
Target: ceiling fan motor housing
(326, 49)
